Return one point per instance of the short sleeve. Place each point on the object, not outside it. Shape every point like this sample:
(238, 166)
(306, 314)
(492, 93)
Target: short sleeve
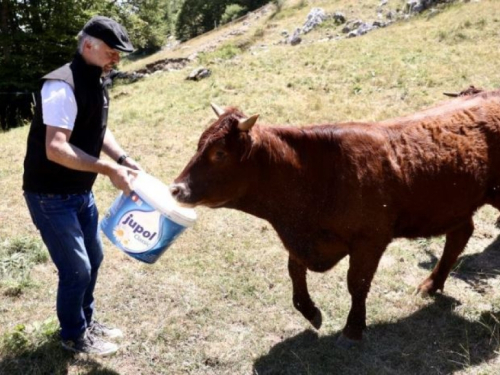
(58, 104)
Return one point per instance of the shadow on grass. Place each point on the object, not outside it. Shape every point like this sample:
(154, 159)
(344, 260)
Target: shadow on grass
(50, 358)
(474, 269)
(434, 340)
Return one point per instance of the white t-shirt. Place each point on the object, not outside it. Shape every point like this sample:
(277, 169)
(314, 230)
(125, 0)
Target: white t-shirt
(58, 104)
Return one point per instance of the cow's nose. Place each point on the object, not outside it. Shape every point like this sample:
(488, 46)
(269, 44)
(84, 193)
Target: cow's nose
(178, 190)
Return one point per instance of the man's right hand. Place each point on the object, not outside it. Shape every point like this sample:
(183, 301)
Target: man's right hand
(121, 177)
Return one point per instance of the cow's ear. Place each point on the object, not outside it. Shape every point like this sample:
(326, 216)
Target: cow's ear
(245, 124)
(218, 110)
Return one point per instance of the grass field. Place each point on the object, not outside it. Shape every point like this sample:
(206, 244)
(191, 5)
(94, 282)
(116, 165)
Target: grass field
(219, 301)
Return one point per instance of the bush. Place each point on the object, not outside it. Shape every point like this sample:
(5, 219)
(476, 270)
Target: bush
(232, 12)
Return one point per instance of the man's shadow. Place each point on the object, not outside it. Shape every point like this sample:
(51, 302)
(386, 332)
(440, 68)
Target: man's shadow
(433, 340)
(49, 358)
(474, 269)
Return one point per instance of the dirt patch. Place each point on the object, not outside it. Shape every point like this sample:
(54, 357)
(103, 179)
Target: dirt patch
(164, 65)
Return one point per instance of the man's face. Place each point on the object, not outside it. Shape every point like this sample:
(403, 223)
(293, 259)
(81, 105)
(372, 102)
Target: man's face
(101, 55)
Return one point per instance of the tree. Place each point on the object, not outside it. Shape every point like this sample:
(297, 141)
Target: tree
(36, 36)
(5, 27)
(149, 22)
(198, 16)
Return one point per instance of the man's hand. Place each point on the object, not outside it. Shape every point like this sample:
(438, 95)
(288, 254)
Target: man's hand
(121, 177)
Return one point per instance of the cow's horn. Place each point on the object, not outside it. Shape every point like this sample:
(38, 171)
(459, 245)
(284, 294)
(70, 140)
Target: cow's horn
(245, 124)
(218, 110)
(452, 94)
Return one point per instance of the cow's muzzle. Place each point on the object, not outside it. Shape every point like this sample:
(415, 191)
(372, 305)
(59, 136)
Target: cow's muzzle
(180, 192)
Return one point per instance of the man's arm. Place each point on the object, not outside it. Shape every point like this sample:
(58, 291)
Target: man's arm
(111, 148)
(60, 151)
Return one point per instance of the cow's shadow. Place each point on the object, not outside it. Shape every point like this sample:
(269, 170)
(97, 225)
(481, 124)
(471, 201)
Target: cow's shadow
(474, 269)
(433, 340)
(50, 358)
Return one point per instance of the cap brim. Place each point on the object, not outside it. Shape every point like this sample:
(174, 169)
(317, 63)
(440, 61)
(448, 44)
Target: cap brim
(124, 48)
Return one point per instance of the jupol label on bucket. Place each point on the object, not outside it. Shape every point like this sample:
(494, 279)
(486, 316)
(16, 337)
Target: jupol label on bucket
(137, 231)
(141, 230)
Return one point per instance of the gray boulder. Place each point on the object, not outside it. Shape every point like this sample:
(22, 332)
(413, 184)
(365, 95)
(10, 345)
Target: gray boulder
(315, 17)
(295, 39)
(199, 73)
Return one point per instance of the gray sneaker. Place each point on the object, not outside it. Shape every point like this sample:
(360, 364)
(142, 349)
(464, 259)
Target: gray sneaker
(100, 330)
(90, 344)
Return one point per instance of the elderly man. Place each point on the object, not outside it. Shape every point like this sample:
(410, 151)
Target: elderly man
(62, 161)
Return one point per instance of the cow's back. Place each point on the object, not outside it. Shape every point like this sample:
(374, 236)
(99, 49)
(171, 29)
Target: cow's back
(413, 176)
(446, 164)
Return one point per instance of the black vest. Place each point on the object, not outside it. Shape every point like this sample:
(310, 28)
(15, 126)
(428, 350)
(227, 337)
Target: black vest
(44, 176)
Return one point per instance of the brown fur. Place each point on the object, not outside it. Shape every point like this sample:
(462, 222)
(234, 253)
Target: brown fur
(351, 188)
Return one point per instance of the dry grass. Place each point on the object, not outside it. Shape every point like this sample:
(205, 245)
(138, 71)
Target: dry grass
(219, 301)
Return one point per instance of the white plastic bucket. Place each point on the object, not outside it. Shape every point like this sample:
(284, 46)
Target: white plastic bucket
(145, 223)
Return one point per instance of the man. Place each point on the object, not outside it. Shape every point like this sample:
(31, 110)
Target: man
(62, 161)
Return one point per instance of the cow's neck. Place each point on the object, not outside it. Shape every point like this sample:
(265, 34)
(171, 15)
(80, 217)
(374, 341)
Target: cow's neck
(284, 163)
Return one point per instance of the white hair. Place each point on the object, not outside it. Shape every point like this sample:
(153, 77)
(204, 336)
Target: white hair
(82, 37)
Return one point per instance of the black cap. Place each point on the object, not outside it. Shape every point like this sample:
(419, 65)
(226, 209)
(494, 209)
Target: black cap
(110, 32)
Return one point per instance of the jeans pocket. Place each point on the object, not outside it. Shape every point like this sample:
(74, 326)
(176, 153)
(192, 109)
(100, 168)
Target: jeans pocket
(54, 203)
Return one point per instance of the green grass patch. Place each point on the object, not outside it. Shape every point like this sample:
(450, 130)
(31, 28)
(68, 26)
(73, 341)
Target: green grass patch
(17, 257)
(226, 52)
(24, 338)
(35, 349)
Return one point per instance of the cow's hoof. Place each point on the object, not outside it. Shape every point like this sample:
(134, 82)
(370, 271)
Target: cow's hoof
(422, 292)
(317, 321)
(344, 342)
(427, 288)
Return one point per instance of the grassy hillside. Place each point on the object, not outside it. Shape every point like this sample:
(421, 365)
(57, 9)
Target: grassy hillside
(219, 301)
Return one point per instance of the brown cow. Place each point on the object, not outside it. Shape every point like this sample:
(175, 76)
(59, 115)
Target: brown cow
(351, 188)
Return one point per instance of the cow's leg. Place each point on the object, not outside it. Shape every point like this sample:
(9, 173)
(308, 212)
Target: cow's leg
(455, 244)
(301, 299)
(363, 262)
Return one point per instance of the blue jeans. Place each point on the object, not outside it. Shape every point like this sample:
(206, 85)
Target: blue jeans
(68, 224)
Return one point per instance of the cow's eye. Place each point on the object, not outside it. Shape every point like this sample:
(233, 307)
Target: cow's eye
(219, 155)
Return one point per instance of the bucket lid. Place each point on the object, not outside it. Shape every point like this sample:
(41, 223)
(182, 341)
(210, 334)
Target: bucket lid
(157, 195)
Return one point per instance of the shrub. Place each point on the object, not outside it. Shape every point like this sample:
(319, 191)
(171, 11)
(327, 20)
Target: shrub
(232, 12)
